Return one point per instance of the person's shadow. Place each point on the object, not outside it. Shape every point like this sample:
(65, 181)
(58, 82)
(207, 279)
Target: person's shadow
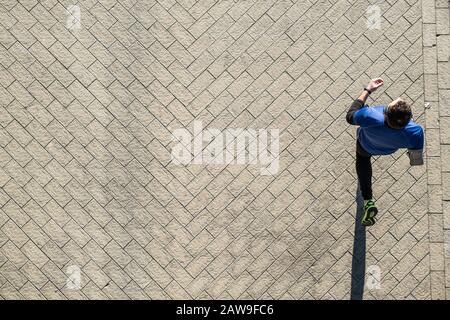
(359, 252)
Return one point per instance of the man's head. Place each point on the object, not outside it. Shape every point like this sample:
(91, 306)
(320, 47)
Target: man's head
(398, 113)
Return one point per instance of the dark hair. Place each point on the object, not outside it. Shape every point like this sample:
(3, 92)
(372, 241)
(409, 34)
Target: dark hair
(398, 114)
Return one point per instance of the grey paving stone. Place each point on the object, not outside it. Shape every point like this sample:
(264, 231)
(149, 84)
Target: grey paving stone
(85, 146)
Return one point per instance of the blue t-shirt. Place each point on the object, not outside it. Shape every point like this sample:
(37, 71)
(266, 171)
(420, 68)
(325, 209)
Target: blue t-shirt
(378, 139)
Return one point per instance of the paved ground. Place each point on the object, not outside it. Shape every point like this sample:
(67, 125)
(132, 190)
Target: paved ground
(437, 94)
(91, 205)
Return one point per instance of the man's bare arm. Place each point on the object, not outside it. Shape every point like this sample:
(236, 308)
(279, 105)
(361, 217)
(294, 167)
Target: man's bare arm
(363, 96)
(373, 85)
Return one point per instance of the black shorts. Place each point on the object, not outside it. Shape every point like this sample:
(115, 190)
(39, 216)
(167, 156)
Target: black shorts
(360, 150)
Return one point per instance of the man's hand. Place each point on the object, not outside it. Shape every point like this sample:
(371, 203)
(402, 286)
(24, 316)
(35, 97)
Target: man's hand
(374, 84)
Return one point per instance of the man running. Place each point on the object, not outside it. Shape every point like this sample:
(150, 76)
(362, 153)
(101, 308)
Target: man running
(382, 130)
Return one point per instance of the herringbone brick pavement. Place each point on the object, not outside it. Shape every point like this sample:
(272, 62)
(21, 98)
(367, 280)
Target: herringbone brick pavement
(87, 179)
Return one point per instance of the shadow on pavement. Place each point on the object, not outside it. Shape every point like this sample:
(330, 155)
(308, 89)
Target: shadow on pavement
(359, 252)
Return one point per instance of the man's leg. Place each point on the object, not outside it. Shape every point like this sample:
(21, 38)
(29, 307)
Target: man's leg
(364, 172)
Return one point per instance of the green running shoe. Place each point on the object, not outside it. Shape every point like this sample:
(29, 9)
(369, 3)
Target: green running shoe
(370, 211)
